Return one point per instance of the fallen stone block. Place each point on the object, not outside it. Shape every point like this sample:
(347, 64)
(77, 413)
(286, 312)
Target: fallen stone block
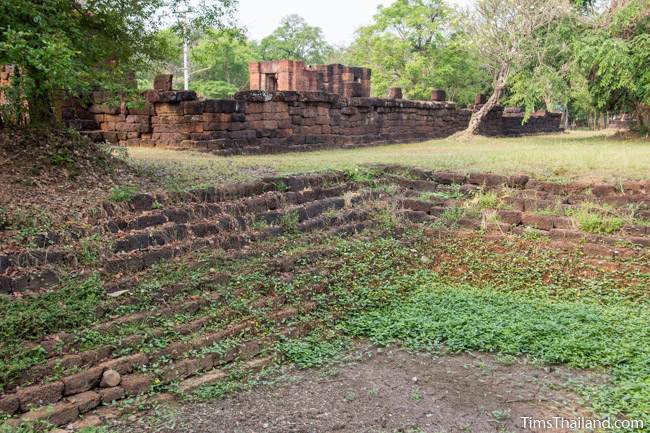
(86, 401)
(110, 378)
(125, 364)
(487, 179)
(109, 395)
(135, 384)
(9, 404)
(40, 395)
(537, 221)
(190, 385)
(509, 217)
(58, 414)
(82, 381)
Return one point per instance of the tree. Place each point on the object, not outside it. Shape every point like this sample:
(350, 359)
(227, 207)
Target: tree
(294, 39)
(192, 18)
(506, 33)
(221, 58)
(614, 55)
(168, 59)
(72, 47)
(551, 79)
(417, 45)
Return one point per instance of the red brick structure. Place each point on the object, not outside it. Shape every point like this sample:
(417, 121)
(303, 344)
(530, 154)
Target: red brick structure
(293, 75)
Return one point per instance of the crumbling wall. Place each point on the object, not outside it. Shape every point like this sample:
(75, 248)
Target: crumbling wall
(264, 122)
(294, 75)
(257, 121)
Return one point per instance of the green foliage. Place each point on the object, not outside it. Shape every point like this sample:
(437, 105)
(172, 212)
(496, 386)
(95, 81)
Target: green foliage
(281, 186)
(28, 427)
(289, 222)
(387, 218)
(362, 175)
(214, 88)
(450, 192)
(74, 305)
(74, 47)
(616, 58)
(487, 200)
(452, 215)
(28, 223)
(220, 62)
(295, 39)
(91, 250)
(501, 414)
(314, 350)
(169, 59)
(418, 45)
(5, 219)
(217, 390)
(123, 192)
(550, 79)
(595, 220)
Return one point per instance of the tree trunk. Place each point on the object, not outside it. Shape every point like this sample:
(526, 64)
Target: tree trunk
(564, 120)
(477, 117)
(40, 104)
(642, 116)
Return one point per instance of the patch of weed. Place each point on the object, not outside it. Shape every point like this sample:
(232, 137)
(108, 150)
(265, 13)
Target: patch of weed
(501, 414)
(259, 224)
(593, 222)
(91, 249)
(281, 186)
(314, 350)
(452, 215)
(123, 193)
(486, 200)
(72, 306)
(362, 175)
(387, 217)
(289, 221)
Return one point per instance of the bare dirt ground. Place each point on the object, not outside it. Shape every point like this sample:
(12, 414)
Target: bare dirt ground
(387, 391)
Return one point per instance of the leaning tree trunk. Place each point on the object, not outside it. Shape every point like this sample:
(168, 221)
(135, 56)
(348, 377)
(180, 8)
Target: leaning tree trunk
(478, 116)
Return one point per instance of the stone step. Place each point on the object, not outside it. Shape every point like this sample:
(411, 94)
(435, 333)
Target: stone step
(28, 280)
(90, 378)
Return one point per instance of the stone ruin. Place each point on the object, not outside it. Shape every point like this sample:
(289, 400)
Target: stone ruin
(284, 75)
(289, 107)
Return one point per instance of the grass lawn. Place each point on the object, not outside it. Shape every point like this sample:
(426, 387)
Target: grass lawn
(576, 155)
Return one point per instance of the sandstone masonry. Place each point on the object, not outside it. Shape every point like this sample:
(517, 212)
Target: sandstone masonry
(260, 121)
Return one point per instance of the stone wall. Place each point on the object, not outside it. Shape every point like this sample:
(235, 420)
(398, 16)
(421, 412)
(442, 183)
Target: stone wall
(257, 121)
(267, 122)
